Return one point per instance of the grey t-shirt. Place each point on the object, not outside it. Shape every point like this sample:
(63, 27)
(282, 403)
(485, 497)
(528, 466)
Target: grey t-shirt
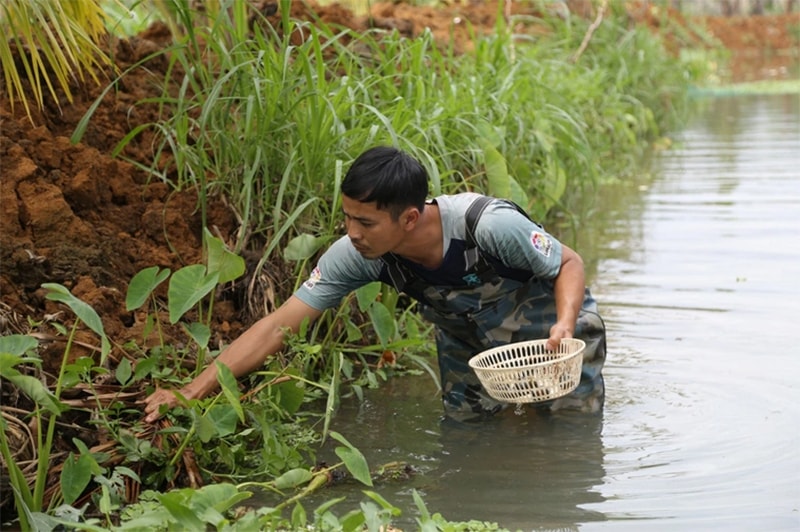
(502, 233)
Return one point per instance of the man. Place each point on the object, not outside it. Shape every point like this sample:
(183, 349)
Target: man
(518, 284)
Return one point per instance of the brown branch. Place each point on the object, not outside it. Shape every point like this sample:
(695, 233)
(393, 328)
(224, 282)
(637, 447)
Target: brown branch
(588, 37)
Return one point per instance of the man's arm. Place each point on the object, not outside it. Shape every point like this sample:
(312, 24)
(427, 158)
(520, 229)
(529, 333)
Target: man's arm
(520, 243)
(569, 287)
(246, 354)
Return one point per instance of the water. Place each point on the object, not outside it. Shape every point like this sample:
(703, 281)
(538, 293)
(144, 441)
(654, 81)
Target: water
(702, 425)
(697, 269)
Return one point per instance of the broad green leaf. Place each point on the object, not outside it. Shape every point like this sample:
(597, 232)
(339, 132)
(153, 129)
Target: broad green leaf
(383, 322)
(33, 388)
(372, 517)
(366, 294)
(292, 478)
(142, 285)
(42, 521)
(327, 505)
(90, 457)
(353, 522)
(290, 395)
(358, 391)
(490, 135)
(229, 387)
(199, 332)
(302, 247)
(208, 514)
(205, 429)
(353, 460)
(354, 334)
(224, 419)
(143, 367)
(8, 362)
(227, 503)
(104, 504)
(299, 518)
(556, 182)
(516, 193)
(123, 372)
(156, 518)
(496, 172)
(210, 501)
(83, 311)
(347, 368)
(76, 474)
(128, 472)
(187, 287)
(17, 344)
(185, 516)
(222, 261)
(386, 505)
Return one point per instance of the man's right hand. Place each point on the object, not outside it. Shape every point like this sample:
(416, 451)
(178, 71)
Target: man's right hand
(155, 401)
(244, 355)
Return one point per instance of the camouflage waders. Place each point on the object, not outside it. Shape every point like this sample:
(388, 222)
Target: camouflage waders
(471, 320)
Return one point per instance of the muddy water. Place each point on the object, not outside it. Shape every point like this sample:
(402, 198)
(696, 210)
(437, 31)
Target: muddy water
(696, 268)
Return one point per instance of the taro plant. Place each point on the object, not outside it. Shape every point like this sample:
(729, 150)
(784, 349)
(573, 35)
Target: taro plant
(188, 287)
(16, 352)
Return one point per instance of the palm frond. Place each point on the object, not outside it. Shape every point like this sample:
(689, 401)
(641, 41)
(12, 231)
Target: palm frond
(50, 45)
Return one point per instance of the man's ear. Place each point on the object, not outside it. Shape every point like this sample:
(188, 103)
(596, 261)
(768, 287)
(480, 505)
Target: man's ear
(409, 218)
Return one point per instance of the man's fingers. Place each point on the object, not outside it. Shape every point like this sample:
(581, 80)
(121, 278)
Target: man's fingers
(152, 412)
(153, 404)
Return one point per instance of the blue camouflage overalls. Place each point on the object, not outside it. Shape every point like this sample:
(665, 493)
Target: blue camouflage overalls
(508, 305)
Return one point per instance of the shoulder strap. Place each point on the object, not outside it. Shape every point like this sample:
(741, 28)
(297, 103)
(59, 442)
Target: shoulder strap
(399, 275)
(476, 209)
(472, 255)
(474, 213)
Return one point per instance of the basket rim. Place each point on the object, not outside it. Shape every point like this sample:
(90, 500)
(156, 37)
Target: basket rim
(576, 349)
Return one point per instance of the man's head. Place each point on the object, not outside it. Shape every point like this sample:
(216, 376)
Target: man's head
(384, 194)
(389, 177)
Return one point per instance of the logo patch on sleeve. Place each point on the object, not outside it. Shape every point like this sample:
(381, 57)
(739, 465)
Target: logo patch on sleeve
(542, 243)
(316, 275)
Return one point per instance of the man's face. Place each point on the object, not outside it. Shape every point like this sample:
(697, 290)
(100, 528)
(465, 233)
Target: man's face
(371, 230)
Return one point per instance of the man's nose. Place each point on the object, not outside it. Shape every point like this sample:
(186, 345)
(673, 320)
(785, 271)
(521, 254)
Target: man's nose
(352, 231)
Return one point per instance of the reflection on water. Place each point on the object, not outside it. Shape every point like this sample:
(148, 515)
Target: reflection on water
(697, 274)
(514, 469)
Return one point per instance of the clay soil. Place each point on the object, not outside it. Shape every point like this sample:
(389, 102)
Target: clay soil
(76, 215)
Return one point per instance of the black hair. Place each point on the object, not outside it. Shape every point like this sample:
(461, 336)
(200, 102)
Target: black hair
(391, 178)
